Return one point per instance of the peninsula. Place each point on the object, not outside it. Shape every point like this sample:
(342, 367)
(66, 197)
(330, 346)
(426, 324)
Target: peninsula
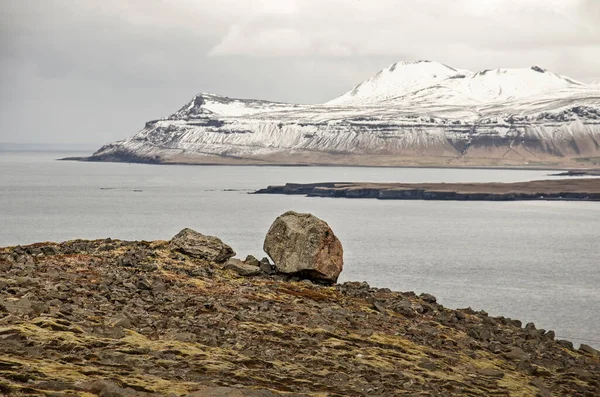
(419, 113)
(583, 189)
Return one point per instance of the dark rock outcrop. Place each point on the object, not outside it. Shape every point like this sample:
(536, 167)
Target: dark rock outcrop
(562, 189)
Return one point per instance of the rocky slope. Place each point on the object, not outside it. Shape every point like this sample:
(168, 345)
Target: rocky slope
(118, 318)
(412, 113)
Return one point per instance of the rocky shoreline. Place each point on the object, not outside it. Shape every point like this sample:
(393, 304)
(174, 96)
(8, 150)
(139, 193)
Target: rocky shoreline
(578, 173)
(137, 318)
(562, 189)
(319, 159)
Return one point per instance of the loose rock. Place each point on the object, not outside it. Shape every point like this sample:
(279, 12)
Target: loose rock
(588, 349)
(304, 244)
(198, 245)
(266, 266)
(251, 260)
(242, 268)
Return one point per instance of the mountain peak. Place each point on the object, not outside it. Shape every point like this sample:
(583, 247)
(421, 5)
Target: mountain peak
(434, 81)
(536, 68)
(398, 79)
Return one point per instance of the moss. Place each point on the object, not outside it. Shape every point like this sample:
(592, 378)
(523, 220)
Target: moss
(517, 385)
(289, 347)
(316, 294)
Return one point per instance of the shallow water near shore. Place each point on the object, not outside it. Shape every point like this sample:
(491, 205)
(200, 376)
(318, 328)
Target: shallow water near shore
(535, 261)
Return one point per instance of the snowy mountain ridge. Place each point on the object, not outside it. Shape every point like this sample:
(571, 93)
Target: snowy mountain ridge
(402, 81)
(409, 113)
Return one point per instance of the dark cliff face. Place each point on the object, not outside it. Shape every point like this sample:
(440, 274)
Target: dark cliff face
(139, 319)
(113, 153)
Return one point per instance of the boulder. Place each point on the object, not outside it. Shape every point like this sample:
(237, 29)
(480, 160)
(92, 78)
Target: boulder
(197, 245)
(304, 245)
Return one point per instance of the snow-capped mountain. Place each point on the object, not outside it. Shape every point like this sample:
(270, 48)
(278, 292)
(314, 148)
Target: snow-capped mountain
(409, 113)
(438, 83)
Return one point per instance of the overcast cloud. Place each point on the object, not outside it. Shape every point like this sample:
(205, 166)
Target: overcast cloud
(93, 71)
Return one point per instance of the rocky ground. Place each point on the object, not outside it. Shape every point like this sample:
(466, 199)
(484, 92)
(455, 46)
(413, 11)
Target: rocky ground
(117, 318)
(588, 172)
(582, 189)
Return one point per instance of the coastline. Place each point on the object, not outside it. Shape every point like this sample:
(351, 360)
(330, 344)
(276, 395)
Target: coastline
(242, 162)
(587, 189)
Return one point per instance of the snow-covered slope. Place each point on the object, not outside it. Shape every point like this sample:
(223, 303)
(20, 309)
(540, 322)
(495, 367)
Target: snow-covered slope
(400, 79)
(438, 83)
(408, 112)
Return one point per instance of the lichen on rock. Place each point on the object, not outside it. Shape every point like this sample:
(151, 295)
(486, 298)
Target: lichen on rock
(195, 244)
(305, 245)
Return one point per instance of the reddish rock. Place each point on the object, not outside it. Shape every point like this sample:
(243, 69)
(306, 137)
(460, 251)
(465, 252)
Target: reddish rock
(305, 245)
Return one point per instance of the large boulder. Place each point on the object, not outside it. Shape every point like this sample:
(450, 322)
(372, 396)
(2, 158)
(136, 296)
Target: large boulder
(305, 245)
(197, 245)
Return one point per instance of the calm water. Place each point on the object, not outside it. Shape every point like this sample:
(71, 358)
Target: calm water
(535, 261)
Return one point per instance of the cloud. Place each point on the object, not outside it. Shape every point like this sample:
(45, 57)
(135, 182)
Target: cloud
(277, 41)
(96, 70)
(384, 27)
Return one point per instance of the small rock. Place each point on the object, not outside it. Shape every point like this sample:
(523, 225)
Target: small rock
(428, 298)
(380, 307)
(491, 372)
(583, 374)
(541, 371)
(219, 391)
(198, 245)
(149, 267)
(530, 326)
(185, 337)
(252, 261)
(266, 266)
(121, 321)
(550, 335)
(427, 364)
(49, 250)
(405, 308)
(18, 306)
(588, 349)
(526, 367)
(516, 353)
(106, 388)
(144, 284)
(566, 344)
(495, 347)
(365, 332)
(55, 385)
(241, 268)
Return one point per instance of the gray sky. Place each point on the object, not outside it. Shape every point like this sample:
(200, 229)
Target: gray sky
(93, 71)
